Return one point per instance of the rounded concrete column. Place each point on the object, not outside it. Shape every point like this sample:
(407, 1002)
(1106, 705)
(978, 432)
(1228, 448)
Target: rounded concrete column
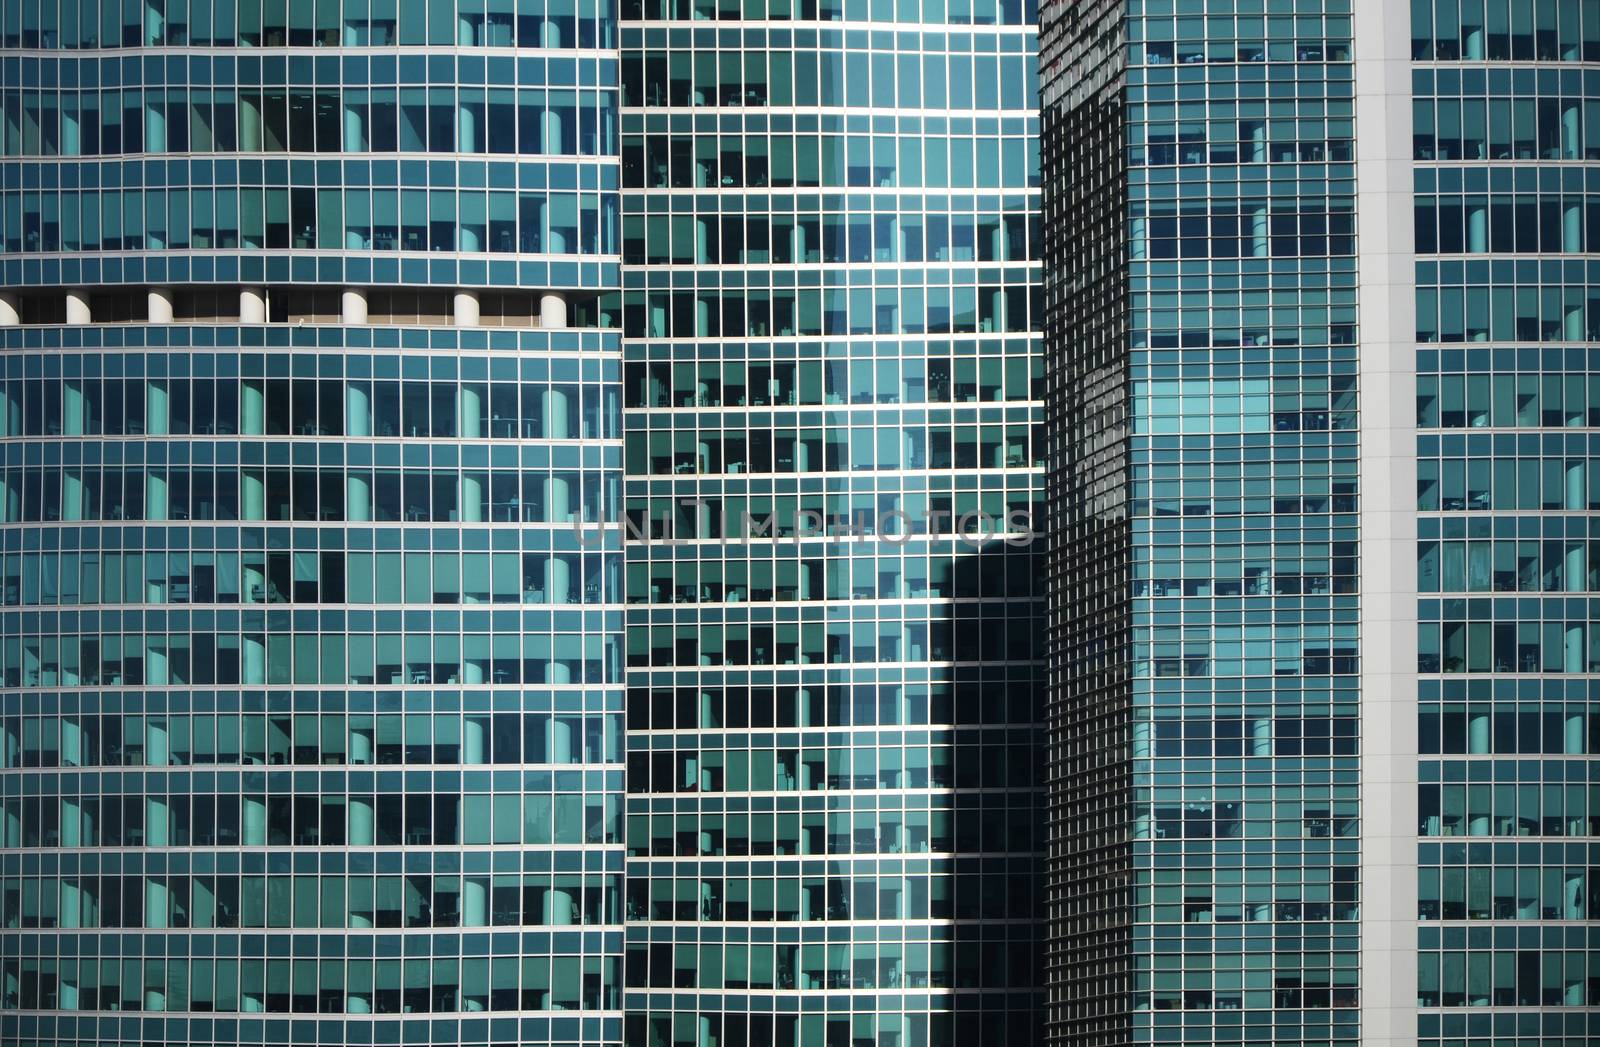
(252, 305)
(78, 307)
(353, 305)
(10, 314)
(467, 309)
(552, 309)
(159, 310)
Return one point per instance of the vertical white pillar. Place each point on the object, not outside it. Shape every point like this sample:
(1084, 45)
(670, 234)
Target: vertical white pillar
(557, 907)
(557, 504)
(467, 309)
(1261, 736)
(1260, 231)
(255, 822)
(1572, 649)
(552, 310)
(1478, 732)
(69, 909)
(558, 746)
(157, 417)
(1572, 742)
(355, 134)
(252, 497)
(466, 130)
(252, 305)
(557, 582)
(71, 133)
(353, 305)
(156, 751)
(1388, 467)
(361, 822)
(472, 740)
(1572, 901)
(155, 125)
(78, 307)
(155, 495)
(252, 408)
(469, 413)
(469, 499)
(474, 903)
(702, 239)
(555, 413)
(1478, 227)
(361, 745)
(72, 824)
(552, 142)
(255, 660)
(357, 499)
(357, 411)
(157, 822)
(249, 123)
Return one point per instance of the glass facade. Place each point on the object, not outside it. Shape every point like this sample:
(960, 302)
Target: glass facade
(514, 522)
(312, 717)
(1225, 852)
(832, 361)
(1203, 734)
(1505, 139)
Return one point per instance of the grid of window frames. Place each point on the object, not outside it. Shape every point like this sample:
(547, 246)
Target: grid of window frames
(241, 709)
(453, 157)
(1237, 379)
(1504, 488)
(830, 241)
(311, 706)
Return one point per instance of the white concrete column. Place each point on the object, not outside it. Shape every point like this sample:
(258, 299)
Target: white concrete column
(558, 580)
(353, 305)
(252, 305)
(473, 740)
(469, 498)
(254, 831)
(1260, 231)
(358, 499)
(558, 907)
(467, 311)
(10, 315)
(357, 411)
(552, 309)
(474, 902)
(1388, 469)
(360, 827)
(78, 307)
(1478, 736)
(355, 130)
(1478, 227)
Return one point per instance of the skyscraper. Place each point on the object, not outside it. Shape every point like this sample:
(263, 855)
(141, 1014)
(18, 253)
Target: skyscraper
(831, 363)
(1320, 721)
(312, 720)
(343, 345)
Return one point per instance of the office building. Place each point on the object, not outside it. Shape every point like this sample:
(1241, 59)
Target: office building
(479, 521)
(831, 359)
(1320, 642)
(312, 720)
